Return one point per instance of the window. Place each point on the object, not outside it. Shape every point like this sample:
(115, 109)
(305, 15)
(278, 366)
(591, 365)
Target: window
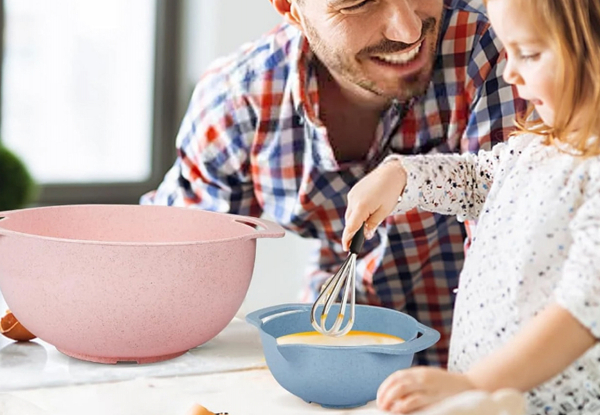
(88, 95)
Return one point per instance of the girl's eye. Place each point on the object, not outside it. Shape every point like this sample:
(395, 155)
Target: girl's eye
(530, 57)
(357, 6)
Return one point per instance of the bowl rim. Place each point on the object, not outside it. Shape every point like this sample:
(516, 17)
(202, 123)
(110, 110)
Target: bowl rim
(241, 219)
(271, 313)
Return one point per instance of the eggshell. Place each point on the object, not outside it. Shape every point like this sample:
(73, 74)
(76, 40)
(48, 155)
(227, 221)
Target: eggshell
(199, 410)
(11, 328)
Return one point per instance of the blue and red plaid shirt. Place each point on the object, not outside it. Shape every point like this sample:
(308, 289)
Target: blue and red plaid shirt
(252, 143)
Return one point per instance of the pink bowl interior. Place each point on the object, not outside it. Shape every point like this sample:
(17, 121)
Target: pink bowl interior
(126, 224)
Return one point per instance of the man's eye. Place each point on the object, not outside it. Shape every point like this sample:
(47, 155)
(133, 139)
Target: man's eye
(357, 6)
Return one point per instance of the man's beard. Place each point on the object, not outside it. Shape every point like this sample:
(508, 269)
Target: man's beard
(347, 67)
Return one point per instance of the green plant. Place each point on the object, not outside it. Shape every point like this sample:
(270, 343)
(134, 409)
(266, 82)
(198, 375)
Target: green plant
(17, 187)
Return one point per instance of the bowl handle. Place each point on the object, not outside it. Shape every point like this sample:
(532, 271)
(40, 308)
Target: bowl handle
(3, 217)
(262, 228)
(428, 338)
(256, 318)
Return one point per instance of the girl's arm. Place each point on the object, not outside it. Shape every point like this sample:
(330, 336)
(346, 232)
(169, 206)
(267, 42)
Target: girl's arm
(552, 341)
(545, 346)
(450, 184)
(447, 184)
(561, 333)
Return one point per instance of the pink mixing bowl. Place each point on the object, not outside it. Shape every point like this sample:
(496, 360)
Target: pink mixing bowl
(110, 283)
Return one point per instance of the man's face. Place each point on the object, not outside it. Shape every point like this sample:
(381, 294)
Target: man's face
(383, 47)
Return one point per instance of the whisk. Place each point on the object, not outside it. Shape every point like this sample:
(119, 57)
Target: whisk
(346, 276)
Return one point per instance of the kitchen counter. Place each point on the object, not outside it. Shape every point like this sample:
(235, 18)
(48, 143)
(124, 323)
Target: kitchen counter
(37, 364)
(226, 374)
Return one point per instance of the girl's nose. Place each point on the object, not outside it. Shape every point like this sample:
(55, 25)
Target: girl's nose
(511, 75)
(402, 24)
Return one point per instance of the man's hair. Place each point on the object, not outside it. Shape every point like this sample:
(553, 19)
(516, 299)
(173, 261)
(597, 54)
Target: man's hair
(572, 28)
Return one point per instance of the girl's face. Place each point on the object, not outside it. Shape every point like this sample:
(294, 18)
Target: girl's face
(532, 61)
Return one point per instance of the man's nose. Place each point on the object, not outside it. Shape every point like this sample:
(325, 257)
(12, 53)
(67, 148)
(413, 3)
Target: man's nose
(402, 24)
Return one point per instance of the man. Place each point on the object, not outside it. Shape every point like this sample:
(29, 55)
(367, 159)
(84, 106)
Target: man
(288, 124)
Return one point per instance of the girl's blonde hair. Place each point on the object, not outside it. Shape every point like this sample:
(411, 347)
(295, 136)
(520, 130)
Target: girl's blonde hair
(573, 30)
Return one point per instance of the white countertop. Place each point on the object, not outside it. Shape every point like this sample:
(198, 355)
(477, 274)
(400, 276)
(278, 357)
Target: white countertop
(252, 392)
(226, 374)
(37, 364)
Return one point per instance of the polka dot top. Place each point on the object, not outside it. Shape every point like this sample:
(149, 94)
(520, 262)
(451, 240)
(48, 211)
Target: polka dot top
(537, 242)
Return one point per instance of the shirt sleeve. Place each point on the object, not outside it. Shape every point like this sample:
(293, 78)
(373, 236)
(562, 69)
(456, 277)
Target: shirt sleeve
(212, 170)
(494, 103)
(453, 184)
(579, 288)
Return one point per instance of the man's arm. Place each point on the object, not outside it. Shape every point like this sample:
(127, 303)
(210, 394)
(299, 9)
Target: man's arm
(212, 170)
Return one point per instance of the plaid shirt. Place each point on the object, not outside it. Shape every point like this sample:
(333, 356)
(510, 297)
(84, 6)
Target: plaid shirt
(252, 143)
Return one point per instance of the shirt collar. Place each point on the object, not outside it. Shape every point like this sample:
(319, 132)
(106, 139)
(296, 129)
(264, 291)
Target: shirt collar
(305, 89)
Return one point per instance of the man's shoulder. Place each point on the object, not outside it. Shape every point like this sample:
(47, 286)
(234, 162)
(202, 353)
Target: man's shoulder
(254, 61)
(468, 6)
(465, 18)
(467, 31)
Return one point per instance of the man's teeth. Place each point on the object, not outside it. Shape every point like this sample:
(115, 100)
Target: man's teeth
(399, 58)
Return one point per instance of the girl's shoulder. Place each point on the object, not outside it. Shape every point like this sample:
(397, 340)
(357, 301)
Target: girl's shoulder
(516, 145)
(523, 140)
(592, 168)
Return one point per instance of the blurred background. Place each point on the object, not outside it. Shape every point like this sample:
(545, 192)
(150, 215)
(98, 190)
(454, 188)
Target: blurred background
(93, 92)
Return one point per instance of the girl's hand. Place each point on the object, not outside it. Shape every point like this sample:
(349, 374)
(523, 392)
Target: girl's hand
(416, 388)
(372, 199)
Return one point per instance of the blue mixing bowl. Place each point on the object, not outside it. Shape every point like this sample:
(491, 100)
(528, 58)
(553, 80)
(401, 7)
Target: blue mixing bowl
(338, 376)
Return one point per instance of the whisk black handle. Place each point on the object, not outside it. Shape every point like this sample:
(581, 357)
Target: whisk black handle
(358, 240)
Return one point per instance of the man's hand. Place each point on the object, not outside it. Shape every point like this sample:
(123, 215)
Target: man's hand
(417, 388)
(372, 199)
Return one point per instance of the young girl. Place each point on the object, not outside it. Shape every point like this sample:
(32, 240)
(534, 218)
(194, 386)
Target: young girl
(527, 311)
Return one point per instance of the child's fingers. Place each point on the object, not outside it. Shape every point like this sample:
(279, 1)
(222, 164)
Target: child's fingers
(411, 403)
(375, 219)
(369, 230)
(348, 213)
(396, 387)
(397, 408)
(354, 221)
(349, 231)
(396, 377)
(396, 393)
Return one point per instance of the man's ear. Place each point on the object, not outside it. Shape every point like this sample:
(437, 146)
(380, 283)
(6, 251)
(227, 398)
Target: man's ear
(289, 10)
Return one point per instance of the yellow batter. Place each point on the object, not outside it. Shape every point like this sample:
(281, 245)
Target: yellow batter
(354, 338)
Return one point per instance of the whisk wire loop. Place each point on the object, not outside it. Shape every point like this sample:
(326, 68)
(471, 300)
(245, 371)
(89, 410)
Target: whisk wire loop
(346, 277)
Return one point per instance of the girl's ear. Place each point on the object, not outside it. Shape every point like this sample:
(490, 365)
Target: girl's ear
(289, 10)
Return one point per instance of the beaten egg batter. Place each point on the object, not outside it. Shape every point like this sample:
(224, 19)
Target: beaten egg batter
(354, 338)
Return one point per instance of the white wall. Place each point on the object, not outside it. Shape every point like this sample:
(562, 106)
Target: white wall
(215, 28)
(218, 27)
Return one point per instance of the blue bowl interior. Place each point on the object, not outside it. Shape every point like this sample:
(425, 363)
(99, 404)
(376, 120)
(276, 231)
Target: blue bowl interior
(367, 318)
